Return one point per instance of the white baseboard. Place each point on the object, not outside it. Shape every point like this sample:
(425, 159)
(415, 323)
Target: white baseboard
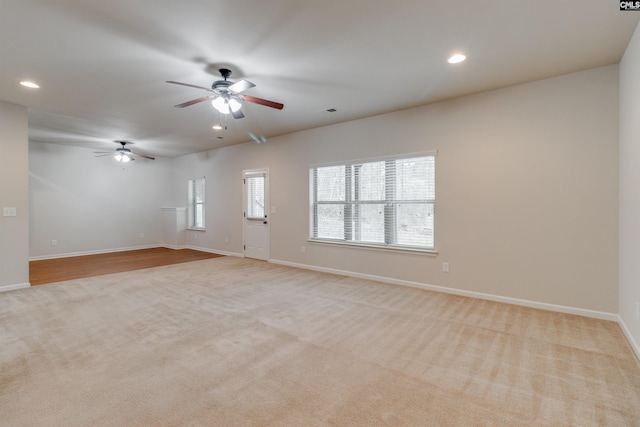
(101, 251)
(134, 248)
(515, 301)
(632, 342)
(215, 251)
(5, 288)
(174, 247)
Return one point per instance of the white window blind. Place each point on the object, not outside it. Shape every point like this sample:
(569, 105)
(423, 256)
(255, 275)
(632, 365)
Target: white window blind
(255, 196)
(196, 203)
(387, 202)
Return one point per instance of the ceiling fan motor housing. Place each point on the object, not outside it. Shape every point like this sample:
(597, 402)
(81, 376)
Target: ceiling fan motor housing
(221, 85)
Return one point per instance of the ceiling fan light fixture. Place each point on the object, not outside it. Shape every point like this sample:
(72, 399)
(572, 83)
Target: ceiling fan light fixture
(234, 105)
(221, 105)
(122, 155)
(217, 102)
(224, 109)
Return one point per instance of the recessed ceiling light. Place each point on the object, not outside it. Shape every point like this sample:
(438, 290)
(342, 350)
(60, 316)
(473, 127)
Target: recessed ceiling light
(32, 85)
(458, 57)
(217, 127)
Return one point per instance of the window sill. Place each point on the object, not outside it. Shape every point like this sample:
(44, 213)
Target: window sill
(397, 249)
(196, 229)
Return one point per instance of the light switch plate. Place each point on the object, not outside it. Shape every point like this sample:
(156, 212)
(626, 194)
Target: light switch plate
(8, 211)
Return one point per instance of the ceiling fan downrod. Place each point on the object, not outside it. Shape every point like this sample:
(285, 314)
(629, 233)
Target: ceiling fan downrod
(225, 73)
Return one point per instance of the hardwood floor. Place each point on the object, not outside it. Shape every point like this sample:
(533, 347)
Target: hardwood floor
(59, 269)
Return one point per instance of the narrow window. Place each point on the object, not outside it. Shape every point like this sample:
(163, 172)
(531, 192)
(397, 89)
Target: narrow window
(196, 203)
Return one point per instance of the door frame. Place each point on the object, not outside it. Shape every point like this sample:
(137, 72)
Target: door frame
(248, 173)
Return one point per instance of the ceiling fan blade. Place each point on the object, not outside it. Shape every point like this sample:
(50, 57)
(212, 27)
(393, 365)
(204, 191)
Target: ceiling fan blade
(237, 114)
(241, 86)
(187, 84)
(142, 155)
(105, 154)
(193, 101)
(261, 101)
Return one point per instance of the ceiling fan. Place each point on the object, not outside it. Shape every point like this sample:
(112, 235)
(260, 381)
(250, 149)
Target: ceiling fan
(122, 154)
(227, 95)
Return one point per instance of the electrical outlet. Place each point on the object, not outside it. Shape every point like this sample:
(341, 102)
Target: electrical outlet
(142, 235)
(54, 243)
(445, 267)
(8, 211)
(226, 240)
(303, 250)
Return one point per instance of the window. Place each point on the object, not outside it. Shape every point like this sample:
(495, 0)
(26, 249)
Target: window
(196, 203)
(388, 202)
(255, 196)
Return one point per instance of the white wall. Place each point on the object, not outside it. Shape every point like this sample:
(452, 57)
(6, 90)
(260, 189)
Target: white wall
(527, 193)
(222, 170)
(14, 231)
(629, 294)
(94, 204)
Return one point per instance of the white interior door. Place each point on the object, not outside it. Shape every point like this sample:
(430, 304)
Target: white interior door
(256, 221)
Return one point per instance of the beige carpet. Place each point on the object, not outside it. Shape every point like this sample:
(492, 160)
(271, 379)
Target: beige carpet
(236, 342)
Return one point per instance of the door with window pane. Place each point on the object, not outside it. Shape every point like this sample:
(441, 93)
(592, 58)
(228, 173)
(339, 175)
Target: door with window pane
(256, 224)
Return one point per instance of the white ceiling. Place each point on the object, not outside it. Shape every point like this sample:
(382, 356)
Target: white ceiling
(102, 64)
